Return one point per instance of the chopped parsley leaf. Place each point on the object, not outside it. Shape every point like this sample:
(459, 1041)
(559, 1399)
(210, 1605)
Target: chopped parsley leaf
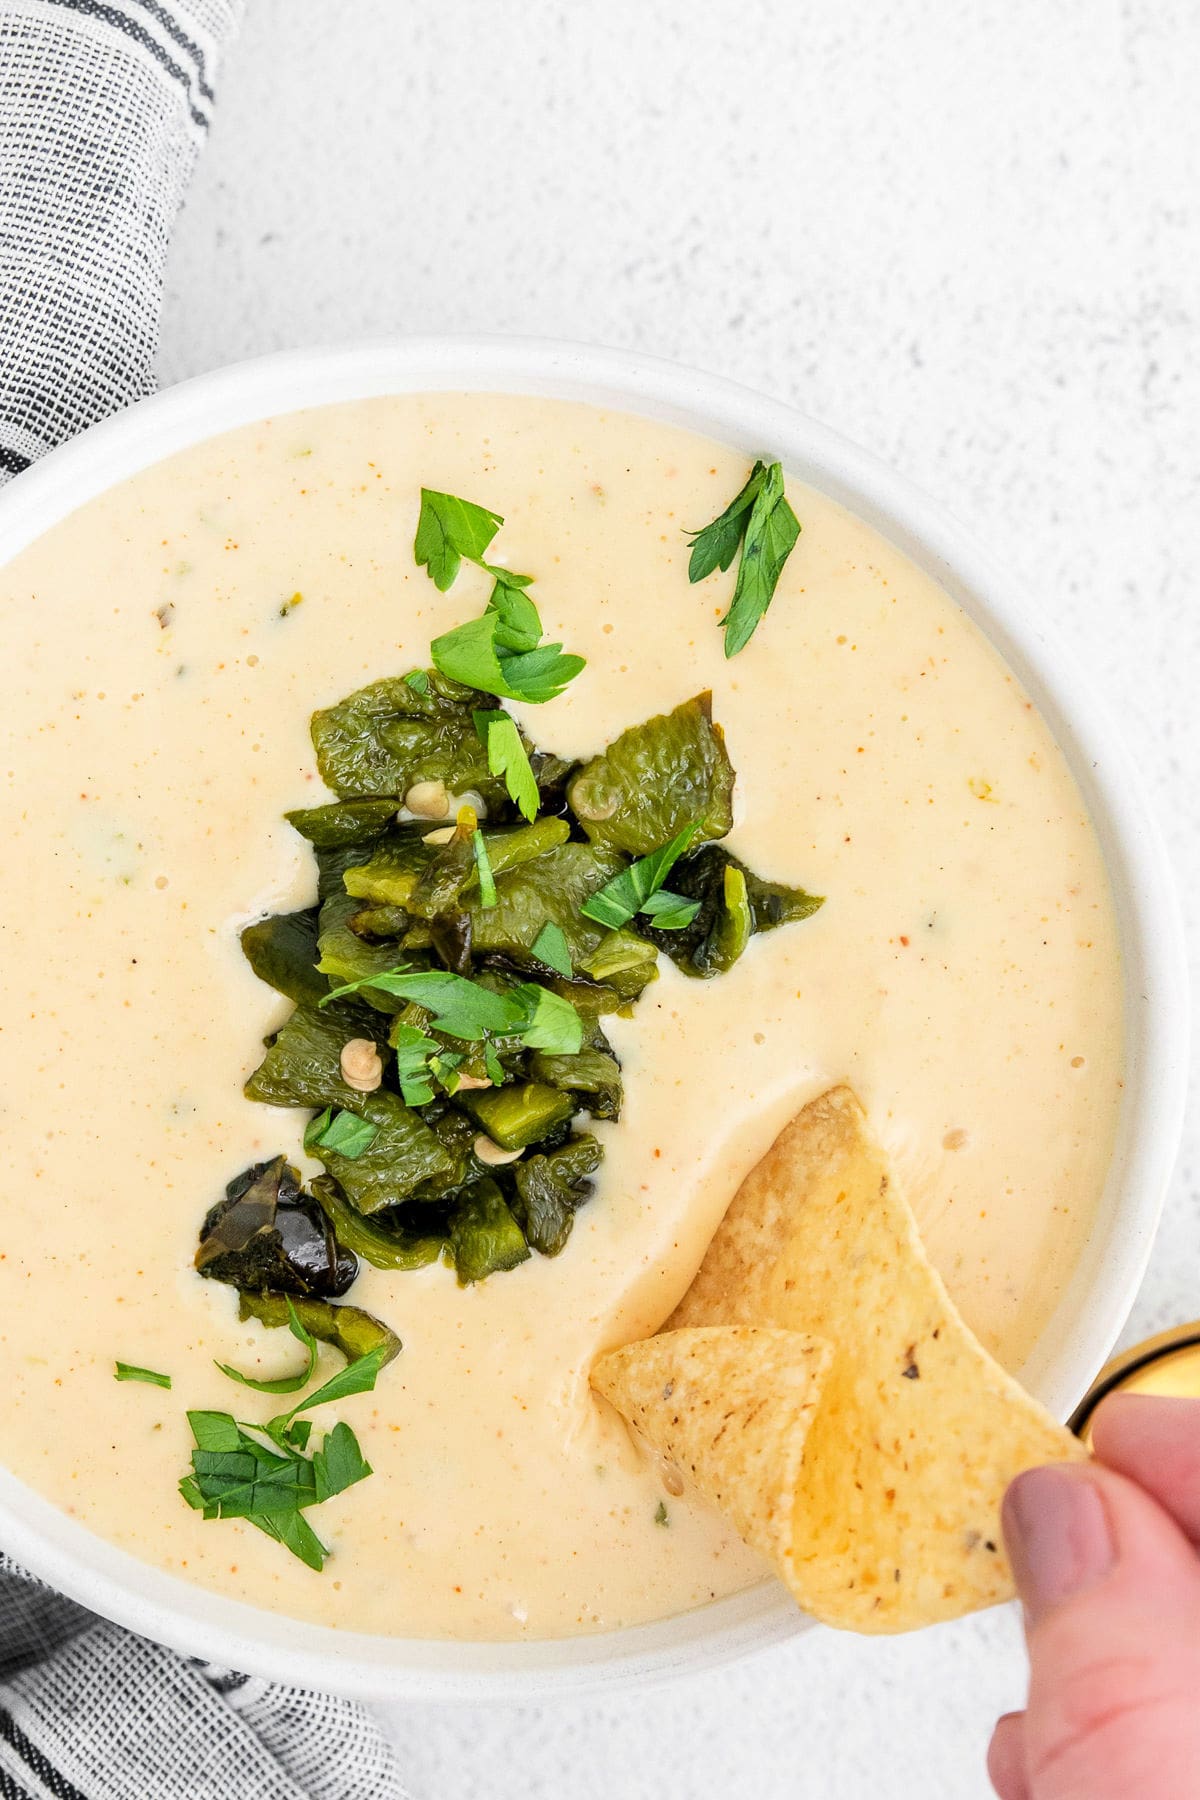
(131, 1372)
(236, 1475)
(548, 1022)
(500, 653)
(284, 1384)
(342, 1132)
(670, 912)
(633, 890)
(415, 1050)
(483, 865)
(550, 947)
(465, 1009)
(473, 654)
(717, 544)
(761, 521)
(449, 529)
(508, 756)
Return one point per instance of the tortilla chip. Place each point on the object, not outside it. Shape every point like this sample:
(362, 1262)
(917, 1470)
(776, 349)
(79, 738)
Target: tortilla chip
(883, 1512)
(731, 1406)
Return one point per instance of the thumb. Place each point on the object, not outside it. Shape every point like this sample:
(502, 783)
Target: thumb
(1112, 1608)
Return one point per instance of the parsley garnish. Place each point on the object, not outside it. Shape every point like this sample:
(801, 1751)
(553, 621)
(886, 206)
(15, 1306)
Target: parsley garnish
(131, 1372)
(483, 867)
(670, 912)
(549, 1022)
(449, 529)
(661, 1516)
(358, 1377)
(760, 520)
(342, 1132)
(540, 1019)
(639, 889)
(445, 1065)
(236, 1475)
(474, 654)
(518, 622)
(502, 652)
(285, 1384)
(461, 1008)
(717, 544)
(550, 947)
(414, 1049)
(508, 756)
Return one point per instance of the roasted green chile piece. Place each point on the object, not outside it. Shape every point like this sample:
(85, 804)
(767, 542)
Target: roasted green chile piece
(449, 753)
(772, 903)
(282, 951)
(348, 1328)
(450, 940)
(513, 845)
(404, 1159)
(384, 738)
(550, 888)
(731, 910)
(303, 1068)
(393, 1241)
(622, 961)
(484, 1236)
(333, 864)
(551, 1189)
(377, 923)
(268, 1233)
(593, 1073)
(346, 957)
(735, 922)
(419, 936)
(417, 1188)
(553, 775)
(519, 1113)
(456, 1133)
(392, 871)
(591, 999)
(446, 874)
(452, 878)
(472, 1060)
(343, 822)
(656, 779)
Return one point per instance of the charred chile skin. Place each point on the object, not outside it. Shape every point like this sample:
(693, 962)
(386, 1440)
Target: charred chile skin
(267, 1234)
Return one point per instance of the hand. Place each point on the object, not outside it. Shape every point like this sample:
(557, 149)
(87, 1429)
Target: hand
(1105, 1556)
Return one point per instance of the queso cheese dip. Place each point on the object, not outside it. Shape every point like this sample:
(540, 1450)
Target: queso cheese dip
(166, 647)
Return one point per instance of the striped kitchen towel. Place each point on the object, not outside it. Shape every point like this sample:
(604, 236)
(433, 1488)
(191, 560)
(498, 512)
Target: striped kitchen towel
(104, 105)
(90, 1712)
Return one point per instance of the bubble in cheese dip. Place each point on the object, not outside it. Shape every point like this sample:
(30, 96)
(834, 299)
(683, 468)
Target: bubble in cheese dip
(165, 648)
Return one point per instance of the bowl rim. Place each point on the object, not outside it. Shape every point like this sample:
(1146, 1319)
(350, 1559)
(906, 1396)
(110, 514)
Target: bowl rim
(117, 1585)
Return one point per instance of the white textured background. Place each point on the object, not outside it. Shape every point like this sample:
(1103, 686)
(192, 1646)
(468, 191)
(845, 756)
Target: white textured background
(965, 232)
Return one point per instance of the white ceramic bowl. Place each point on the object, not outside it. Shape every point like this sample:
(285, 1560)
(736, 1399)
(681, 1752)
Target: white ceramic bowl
(1091, 1312)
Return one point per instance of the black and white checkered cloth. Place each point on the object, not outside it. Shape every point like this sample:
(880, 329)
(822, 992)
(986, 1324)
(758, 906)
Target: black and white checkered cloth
(104, 106)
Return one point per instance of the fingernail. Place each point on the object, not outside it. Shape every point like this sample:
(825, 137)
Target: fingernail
(1058, 1538)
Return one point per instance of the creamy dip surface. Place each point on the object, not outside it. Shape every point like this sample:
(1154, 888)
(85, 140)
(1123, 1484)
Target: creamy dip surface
(963, 975)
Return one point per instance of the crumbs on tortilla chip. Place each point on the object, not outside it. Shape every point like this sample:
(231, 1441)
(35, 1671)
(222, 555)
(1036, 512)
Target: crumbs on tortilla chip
(818, 1385)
